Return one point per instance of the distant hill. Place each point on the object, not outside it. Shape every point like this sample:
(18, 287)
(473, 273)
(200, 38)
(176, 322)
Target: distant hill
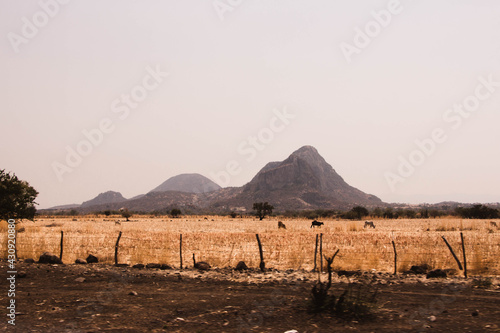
(302, 181)
(189, 183)
(109, 197)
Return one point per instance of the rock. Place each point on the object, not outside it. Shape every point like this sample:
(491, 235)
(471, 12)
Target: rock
(241, 266)
(133, 293)
(80, 262)
(150, 266)
(49, 258)
(420, 269)
(138, 266)
(80, 279)
(432, 318)
(92, 259)
(202, 266)
(437, 273)
(475, 313)
(21, 274)
(29, 261)
(165, 266)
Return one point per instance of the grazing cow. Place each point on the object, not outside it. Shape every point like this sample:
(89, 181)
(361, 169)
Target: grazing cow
(369, 224)
(493, 224)
(281, 225)
(316, 224)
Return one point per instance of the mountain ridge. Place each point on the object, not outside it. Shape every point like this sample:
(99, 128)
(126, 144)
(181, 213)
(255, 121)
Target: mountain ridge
(304, 180)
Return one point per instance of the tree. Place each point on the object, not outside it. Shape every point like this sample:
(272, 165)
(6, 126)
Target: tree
(360, 212)
(126, 214)
(262, 209)
(17, 198)
(175, 212)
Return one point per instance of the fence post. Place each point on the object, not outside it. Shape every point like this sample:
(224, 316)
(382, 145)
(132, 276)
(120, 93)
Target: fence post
(62, 239)
(463, 250)
(453, 253)
(262, 263)
(395, 258)
(315, 253)
(321, 252)
(180, 249)
(116, 247)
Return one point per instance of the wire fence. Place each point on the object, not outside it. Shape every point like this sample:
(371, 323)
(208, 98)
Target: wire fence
(280, 251)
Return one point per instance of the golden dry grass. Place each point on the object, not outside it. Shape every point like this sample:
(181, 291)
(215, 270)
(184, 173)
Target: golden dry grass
(225, 241)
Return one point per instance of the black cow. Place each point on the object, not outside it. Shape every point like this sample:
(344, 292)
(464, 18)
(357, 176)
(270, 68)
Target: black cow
(316, 224)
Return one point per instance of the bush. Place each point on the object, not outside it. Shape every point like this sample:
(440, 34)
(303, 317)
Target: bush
(358, 301)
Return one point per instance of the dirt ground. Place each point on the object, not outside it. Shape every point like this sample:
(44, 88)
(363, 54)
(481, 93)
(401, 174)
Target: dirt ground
(104, 298)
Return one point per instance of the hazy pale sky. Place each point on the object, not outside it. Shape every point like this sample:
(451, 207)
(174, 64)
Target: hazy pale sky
(402, 98)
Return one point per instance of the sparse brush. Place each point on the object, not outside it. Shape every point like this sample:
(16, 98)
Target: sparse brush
(358, 301)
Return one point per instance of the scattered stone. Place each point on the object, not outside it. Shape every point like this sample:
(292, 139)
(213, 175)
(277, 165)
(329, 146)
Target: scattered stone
(202, 266)
(475, 313)
(165, 266)
(138, 266)
(241, 266)
(133, 293)
(92, 259)
(348, 273)
(80, 261)
(29, 261)
(437, 273)
(80, 279)
(49, 258)
(432, 318)
(151, 266)
(420, 269)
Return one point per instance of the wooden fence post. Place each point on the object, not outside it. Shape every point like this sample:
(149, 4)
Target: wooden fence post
(321, 251)
(395, 258)
(116, 247)
(315, 253)
(453, 253)
(262, 263)
(463, 250)
(62, 239)
(180, 249)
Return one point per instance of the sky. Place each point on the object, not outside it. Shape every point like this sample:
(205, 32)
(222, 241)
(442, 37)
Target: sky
(402, 98)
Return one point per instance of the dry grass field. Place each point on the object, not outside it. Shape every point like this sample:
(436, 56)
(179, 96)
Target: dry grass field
(223, 241)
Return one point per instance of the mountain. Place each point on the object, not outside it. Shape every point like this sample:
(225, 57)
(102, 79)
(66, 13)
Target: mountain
(188, 182)
(109, 197)
(303, 181)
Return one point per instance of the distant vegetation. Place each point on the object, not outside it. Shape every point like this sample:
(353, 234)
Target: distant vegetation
(263, 209)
